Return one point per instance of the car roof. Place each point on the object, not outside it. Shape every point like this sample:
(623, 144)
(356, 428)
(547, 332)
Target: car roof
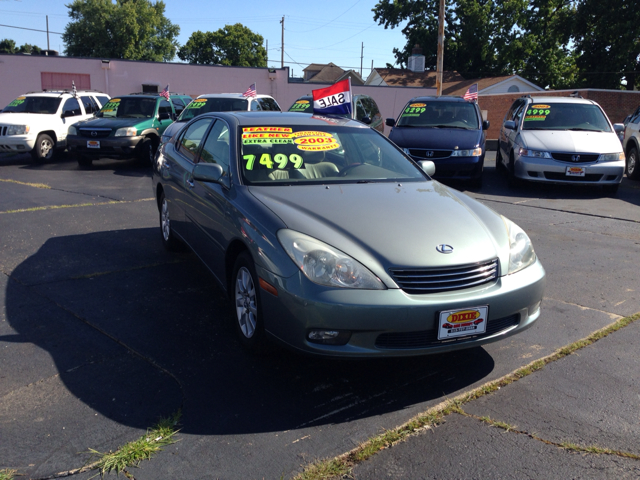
(57, 93)
(231, 95)
(441, 98)
(543, 99)
(284, 118)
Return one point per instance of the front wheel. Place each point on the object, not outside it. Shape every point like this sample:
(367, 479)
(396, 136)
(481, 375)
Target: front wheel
(633, 169)
(44, 148)
(246, 298)
(147, 152)
(169, 240)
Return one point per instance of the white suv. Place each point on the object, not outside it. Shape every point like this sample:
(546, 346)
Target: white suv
(37, 122)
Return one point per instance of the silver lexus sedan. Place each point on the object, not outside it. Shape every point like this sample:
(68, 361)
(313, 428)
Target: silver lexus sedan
(330, 240)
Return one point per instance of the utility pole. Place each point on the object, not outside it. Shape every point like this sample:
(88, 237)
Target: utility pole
(361, 57)
(48, 34)
(440, 49)
(282, 51)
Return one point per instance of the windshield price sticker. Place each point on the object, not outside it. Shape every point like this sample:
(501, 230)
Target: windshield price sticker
(279, 161)
(537, 113)
(308, 140)
(576, 171)
(300, 105)
(414, 110)
(313, 141)
(198, 103)
(17, 102)
(463, 322)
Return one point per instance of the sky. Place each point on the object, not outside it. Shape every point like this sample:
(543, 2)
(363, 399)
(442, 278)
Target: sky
(315, 32)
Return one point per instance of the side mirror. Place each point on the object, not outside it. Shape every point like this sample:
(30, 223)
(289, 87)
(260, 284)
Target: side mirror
(366, 120)
(486, 125)
(428, 166)
(391, 122)
(164, 116)
(618, 127)
(510, 125)
(208, 172)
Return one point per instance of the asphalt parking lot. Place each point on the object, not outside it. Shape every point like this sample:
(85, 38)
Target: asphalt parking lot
(102, 333)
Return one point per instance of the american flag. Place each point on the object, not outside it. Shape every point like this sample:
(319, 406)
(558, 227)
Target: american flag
(165, 93)
(251, 91)
(472, 92)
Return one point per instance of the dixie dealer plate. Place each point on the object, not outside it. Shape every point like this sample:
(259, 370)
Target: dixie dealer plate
(576, 171)
(463, 322)
(93, 144)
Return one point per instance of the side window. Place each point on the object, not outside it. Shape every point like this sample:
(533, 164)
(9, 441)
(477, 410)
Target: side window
(360, 111)
(517, 114)
(165, 107)
(269, 104)
(192, 138)
(216, 147)
(71, 108)
(255, 106)
(103, 99)
(514, 107)
(373, 109)
(178, 105)
(90, 105)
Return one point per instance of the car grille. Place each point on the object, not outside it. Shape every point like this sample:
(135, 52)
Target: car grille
(94, 132)
(582, 157)
(429, 338)
(589, 177)
(434, 280)
(3, 130)
(429, 154)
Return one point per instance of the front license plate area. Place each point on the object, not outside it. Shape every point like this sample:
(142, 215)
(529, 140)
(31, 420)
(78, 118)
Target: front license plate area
(463, 322)
(576, 171)
(93, 143)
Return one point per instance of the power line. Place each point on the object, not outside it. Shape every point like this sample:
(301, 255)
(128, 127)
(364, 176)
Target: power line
(32, 29)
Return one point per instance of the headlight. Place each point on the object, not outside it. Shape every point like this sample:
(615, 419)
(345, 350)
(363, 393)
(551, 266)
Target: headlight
(611, 157)
(17, 129)
(476, 152)
(521, 253)
(126, 132)
(326, 265)
(525, 152)
(72, 130)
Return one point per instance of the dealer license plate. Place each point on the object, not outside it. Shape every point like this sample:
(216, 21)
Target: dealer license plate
(93, 143)
(576, 171)
(463, 322)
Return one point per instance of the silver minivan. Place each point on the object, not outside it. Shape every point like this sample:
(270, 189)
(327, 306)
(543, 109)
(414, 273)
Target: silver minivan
(564, 140)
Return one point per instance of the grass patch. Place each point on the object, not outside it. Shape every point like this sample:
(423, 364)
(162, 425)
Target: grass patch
(76, 205)
(7, 474)
(134, 452)
(35, 185)
(343, 464)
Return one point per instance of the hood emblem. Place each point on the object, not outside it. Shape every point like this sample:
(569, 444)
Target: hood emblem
(94, 133)
(575, 158)
(443, 248)
(429, 153)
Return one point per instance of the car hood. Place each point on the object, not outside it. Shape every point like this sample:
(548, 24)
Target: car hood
(112, 122)
(437, 138)
(24, 118)
(570, 142)
(391, 225)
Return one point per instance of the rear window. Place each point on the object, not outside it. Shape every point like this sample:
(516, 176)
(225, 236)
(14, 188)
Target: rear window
(440, 114)
(565, 116)
(205, 105)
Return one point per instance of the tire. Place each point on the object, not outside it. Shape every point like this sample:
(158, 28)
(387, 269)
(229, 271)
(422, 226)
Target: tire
(84, 161)
(247, 313)
(44, 148)
(147, 152)
(169, 241)
(514, 182)
(633, 166)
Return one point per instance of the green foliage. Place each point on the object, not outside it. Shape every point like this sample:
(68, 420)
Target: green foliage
(234, 45)
(127, 29)
(9, 46)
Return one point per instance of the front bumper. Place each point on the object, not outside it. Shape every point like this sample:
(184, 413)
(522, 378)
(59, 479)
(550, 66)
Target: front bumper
(111, 147)
(456, 168)
(17, 143)
(392, 322)
(554, 171)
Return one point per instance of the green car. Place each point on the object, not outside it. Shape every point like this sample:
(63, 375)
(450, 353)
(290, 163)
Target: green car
(127, 126)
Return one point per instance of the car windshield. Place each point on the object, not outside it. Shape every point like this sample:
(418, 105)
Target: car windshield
(440, 114)
(129, 107)
(565, 116)
(302, 105)
(205, 105)
(47, 105)
(277, 155)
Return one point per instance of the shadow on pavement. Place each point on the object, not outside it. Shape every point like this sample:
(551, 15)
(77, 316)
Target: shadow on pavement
(86, 296)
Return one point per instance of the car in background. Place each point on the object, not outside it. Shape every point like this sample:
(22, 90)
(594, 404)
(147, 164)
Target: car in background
(37, 122)
(631, 144)
(127, 126)
(566, 140)
(221, 102)
(447, 130)
(329, 239)
(365, 110)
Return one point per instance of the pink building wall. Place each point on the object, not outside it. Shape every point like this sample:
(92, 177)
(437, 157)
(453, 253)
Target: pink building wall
(22, 73)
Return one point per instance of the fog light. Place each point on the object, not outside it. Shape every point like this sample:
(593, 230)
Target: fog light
(21, 147)
(329, 337)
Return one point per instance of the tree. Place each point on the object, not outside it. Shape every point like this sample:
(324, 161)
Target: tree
(9, 46)
(127, 29)
(234, 45)
(608, 43)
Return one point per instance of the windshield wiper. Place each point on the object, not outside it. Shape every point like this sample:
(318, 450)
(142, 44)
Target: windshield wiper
(583, 130)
